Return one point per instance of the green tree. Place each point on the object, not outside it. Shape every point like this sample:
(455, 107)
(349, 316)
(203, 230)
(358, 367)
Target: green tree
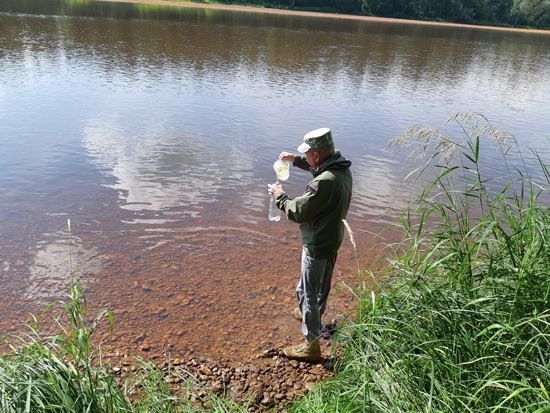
(496, 10)
(534, 13)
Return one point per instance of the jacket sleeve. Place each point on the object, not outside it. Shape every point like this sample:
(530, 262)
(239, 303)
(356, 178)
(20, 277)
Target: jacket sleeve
(313, 202)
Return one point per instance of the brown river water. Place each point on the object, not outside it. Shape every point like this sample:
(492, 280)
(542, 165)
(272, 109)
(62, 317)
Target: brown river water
(154, 129)
(208, 287)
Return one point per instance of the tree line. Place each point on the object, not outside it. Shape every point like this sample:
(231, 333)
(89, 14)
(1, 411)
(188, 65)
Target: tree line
(523, 13)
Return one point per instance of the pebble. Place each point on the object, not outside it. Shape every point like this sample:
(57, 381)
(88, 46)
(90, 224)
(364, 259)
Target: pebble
(206, 370)
(260, 382)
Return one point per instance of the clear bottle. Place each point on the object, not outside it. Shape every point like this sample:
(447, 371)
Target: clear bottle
(274, 212)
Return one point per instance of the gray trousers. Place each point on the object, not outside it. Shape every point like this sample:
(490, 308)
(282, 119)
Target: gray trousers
(312, 292)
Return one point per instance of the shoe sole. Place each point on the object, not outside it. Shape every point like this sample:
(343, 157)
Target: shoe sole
(308, 359)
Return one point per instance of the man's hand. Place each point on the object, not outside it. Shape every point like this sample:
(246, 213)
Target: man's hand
(272, 189)
(287, 156)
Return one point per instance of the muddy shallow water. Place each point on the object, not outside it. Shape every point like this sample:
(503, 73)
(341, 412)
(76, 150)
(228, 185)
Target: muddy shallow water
(213, 287)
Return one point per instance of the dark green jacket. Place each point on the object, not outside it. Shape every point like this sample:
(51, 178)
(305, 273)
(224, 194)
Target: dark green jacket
(322, 207)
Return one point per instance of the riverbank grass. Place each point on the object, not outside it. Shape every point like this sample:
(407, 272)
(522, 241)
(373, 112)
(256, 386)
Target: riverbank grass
(460, 320)
(66, 372)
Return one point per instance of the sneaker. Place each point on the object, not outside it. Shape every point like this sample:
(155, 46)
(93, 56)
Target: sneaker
(310, 351)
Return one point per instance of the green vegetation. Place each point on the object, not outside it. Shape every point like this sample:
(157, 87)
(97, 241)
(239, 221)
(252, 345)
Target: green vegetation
(523, 13)
(461, 322)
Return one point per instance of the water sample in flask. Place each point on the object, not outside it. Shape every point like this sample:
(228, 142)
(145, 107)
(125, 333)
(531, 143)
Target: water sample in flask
(282, 170)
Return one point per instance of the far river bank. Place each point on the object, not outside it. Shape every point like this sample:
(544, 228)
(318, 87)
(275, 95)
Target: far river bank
(318, 14)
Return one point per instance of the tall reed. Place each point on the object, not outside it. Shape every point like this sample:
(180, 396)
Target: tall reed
(462, 323)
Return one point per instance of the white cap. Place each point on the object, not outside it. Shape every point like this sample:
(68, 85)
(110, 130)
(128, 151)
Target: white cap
(318, 138)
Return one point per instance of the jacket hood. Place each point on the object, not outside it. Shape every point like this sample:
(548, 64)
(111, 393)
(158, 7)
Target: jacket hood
(337, 161)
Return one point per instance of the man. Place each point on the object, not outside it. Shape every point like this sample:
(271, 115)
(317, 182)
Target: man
(319, 211)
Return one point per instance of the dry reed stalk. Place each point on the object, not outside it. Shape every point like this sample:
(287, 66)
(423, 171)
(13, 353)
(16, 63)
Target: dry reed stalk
(449, 147)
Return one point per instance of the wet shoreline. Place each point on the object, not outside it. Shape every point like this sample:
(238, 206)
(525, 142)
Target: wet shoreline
(264, 381)
(267, 382)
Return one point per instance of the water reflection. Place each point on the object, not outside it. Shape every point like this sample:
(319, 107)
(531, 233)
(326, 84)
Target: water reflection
(155, 172)
(58, 263)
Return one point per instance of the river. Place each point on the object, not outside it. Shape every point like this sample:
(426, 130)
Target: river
(154, 129)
